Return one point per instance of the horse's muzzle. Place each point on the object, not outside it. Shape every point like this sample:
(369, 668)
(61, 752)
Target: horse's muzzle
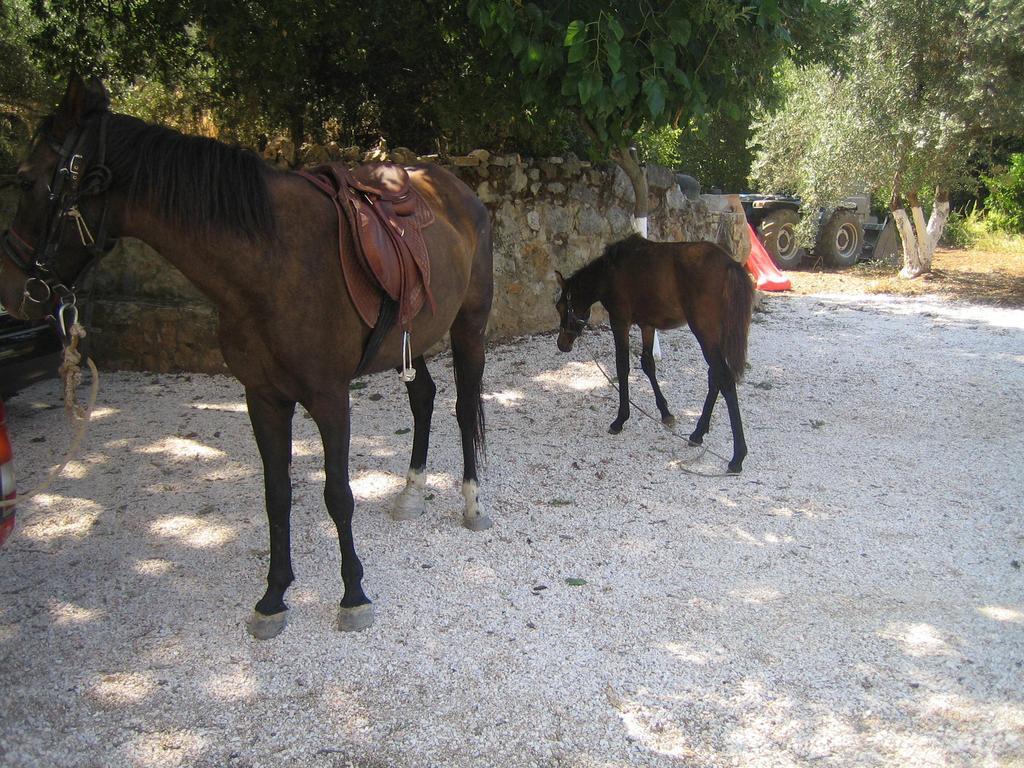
(565, 341)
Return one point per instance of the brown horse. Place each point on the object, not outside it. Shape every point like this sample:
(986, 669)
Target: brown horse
(666, 285)
(263, 245)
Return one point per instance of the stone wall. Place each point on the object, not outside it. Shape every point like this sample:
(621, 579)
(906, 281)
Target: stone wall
(551, 213)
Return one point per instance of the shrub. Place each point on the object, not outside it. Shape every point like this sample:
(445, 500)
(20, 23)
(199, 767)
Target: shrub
(1005, 201)
(958, 231)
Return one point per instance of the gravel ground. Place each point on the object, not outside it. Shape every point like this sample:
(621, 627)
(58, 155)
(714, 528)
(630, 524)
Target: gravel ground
(853, 599)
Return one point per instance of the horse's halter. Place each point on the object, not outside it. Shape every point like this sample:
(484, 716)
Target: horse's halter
(572, 325)
(68, 186)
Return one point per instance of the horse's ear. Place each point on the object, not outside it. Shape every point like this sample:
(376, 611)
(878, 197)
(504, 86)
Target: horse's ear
(80, 100)
(560, 279)
(97, 99)
(71, 108)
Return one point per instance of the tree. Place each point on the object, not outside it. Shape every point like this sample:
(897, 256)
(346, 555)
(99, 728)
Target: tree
(620, 67)
(348, 70)
(20, 79)
(402, 69)
(926, 87)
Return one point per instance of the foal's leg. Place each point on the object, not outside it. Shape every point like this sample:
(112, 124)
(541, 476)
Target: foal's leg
(467, 335)
(621, 333)
(647, 364)
(704, 422)
(720, 379)
(421, 390)
(739, 444)
(272, 426)
(332, 417)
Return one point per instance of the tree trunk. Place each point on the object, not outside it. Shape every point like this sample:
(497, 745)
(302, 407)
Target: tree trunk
(937, 222)
(298, 132)
(626, 160)
(919, 239)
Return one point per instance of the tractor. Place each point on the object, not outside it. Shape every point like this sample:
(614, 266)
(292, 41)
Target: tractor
(845, 233)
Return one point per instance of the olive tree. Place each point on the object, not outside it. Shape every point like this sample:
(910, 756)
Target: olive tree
(924, 87)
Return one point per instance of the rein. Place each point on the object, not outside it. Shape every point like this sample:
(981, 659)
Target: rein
(670, 430)
(67, 187)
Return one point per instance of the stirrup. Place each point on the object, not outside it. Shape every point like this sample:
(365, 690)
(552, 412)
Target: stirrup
(408, 372)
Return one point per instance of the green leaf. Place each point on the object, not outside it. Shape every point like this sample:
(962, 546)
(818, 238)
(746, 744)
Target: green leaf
(614, 53)
(573, 32)
(505, 19)
(679, 31)
(589, 84)
(578, 51)
(402, 431)
(531, 61)
(616, 28)
(619, 83)
(655, 97)
(573, 582)
(664, 53)
(517, 43)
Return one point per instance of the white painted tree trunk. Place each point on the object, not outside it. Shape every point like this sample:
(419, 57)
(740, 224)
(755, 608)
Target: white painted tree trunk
(920, 239)
(640, 227)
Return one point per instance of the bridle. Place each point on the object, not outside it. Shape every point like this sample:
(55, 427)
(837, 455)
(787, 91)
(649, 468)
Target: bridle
(68, 186)
(572, 325)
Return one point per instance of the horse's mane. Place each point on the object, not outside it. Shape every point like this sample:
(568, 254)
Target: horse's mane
(622, 249)
(191, 181)
(608, 258)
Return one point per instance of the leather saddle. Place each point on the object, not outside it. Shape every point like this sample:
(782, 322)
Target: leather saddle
(385, 216)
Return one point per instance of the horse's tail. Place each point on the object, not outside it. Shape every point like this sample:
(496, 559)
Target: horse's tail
(737, 307)
(467, 336)
(470, 388)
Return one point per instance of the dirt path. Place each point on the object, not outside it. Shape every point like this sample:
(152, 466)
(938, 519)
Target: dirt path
(854, 598)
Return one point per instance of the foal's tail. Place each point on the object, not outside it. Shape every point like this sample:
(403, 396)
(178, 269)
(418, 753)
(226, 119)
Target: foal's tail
(737, 307)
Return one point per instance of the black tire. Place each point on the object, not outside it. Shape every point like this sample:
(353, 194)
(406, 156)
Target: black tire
(840, 240)
(778, 231)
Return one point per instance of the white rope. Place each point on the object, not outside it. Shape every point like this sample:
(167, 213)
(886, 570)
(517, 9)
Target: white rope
(670, 430)
(71, 373)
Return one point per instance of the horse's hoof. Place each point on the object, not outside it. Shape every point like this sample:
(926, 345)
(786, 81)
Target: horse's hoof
(669, 421)
(473, 516)
(477, 522)
(263, 627)
(409, 506)
(356, 618)
(735, 468)
(614, 429)
(694, 442)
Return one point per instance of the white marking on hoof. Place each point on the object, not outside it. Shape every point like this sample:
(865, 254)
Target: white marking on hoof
(410, 505)
(263, 627)
(474, 517)
(355, 619)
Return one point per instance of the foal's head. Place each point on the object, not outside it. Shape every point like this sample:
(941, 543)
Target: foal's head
(572, 320)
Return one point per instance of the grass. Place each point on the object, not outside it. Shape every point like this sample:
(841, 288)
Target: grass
(999, 242)
(990, 272)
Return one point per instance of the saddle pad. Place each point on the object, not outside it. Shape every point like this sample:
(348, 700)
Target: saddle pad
(385, 217)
